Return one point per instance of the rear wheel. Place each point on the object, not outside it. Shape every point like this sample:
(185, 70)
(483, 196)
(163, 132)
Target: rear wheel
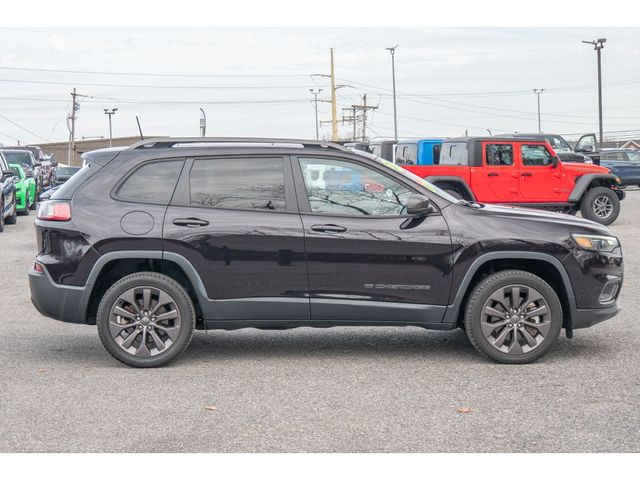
(145, 319)
(513, 317)
(600, 204)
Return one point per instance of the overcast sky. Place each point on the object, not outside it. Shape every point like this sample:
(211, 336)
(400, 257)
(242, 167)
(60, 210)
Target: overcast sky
(255, 82)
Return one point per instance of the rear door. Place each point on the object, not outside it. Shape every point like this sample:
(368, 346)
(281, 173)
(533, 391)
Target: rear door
(235, 220)
(499, 178)
(539, 177)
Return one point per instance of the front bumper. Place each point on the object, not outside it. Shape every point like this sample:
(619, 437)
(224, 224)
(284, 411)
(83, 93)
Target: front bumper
(60, 302)
(587, 317)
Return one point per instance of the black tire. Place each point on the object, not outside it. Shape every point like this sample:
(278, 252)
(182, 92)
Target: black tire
(13, 218)
(180, 300)
(486, 339)
(1, 214)
(34, 205)
(454, 193)
(591, 210)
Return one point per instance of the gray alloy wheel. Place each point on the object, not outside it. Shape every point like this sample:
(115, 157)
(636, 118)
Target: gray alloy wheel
(600, 204)
(513, 316)
(145, 319)
(515, 319)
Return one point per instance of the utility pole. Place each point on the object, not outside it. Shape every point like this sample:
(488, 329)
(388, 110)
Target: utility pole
(598, 45)
(110, 113)
(364, 108)
(353, 119)
(315, 101)
(538, 92)
(334, 113)
(392, 50)
(203, 124)
(72, 138)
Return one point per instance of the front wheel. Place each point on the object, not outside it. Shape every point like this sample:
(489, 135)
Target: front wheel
(513, 316)
(13, 218)
(146, 319)
(600, 204)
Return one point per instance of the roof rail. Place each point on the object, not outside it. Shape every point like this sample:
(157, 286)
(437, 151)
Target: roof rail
(169, 142)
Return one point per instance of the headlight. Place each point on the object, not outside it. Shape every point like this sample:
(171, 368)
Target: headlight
(596, 243)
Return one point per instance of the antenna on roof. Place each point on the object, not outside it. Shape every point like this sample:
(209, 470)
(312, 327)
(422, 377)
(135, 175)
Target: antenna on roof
(139, 128)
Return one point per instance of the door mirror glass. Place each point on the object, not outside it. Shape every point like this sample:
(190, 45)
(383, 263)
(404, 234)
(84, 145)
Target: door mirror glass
(418, 204)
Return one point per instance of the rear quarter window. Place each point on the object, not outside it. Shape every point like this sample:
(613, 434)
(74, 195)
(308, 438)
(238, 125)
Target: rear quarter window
(68, 188)
(454, 154)
(153, 182)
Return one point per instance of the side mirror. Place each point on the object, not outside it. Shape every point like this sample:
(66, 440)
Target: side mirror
(418, 204)
(555, 161)
(7, 173)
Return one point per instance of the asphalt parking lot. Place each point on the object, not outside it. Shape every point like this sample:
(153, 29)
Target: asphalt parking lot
(314, 390)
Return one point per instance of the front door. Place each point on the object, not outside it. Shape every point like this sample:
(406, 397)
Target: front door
(500, 174)
(540, 178)
(367, 260)
(235, 221)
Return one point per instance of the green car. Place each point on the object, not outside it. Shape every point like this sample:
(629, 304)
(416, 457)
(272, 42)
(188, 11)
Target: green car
(25, 190)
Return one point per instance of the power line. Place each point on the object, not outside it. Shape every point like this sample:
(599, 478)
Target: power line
(23, 128)
(171, 75)
(188, 87)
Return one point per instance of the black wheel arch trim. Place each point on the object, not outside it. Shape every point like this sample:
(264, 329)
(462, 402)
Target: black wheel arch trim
(453, 310)
(584, 181)
(435, 179)
(207, 305)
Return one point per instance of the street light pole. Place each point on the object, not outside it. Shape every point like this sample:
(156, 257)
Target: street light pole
(392, 50)
(203, 124)
(109, 113)
(315, 101)
(538, 92)
(598, 45)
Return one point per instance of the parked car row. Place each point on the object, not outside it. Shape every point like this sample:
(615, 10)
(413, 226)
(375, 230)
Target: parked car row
(28, 176)
(533, 170)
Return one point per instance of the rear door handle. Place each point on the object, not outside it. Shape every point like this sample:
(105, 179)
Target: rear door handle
(526, 174)
(190, 222)
(492, 174)
(330, 228)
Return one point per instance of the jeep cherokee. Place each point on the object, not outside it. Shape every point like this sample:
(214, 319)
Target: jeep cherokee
(170, 235)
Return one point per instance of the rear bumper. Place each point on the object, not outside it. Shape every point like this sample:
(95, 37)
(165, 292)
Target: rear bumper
(587, 317)
(60, 302)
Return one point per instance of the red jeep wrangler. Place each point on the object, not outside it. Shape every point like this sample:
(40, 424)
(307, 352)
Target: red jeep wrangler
(524, 172)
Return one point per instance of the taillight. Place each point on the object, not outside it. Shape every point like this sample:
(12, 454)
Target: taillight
(54, 211)
(38, 267)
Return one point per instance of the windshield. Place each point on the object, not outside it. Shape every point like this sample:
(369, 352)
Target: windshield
(23, 158)
(67, 170)
(558, 144)
(411, 176)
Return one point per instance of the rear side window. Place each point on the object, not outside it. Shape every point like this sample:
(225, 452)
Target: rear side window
(151, 183)
(239, 183)
(436, 154)
(68, 188)
(499, 154)
(453, 154)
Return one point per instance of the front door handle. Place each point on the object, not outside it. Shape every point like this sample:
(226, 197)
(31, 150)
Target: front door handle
(329, 228)
(526, 174)
(190, 222)
(492, 174)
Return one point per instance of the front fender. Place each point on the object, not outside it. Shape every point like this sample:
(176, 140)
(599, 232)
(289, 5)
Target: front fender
(585, 181)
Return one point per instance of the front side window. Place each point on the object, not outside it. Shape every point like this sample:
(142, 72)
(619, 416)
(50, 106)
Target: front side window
(336, 187)
(239, 183)
(499, 155)
(535, 155)
(152, 183)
